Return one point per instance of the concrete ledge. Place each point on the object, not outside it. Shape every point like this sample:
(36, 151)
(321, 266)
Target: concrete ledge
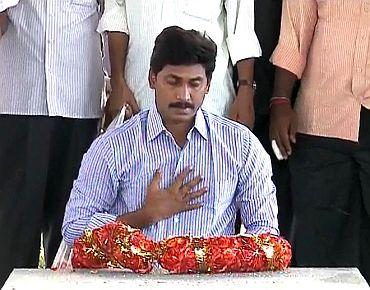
(294, 278)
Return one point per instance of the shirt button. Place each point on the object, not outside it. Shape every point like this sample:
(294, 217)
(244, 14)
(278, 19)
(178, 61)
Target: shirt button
(176, 220)
(359, 70)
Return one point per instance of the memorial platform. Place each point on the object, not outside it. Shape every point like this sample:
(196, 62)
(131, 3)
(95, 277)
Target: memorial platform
(294, 278)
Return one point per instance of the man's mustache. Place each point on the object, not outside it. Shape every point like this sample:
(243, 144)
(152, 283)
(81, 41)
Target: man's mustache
(182, 105)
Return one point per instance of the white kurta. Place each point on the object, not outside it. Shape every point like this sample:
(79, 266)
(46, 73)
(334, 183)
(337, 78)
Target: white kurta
(230, 23)
(50, 59)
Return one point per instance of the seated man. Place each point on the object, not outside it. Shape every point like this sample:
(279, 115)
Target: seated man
(175, 169)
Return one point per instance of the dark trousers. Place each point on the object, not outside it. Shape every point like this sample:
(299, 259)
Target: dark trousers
(281, 176)
(331, 200)
(39, 159)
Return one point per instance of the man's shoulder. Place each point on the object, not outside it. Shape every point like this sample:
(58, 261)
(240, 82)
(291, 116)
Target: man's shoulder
(130, 129)
(220, 124)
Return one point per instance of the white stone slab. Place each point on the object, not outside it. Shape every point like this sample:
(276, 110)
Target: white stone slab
(294, 278)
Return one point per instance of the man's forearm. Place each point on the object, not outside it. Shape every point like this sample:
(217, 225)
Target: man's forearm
(245, 69)
(118, 44)
(3, 22)
(138, 219)
(284, 83)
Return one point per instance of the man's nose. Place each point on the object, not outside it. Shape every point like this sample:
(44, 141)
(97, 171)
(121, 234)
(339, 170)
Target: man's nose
(184, 94)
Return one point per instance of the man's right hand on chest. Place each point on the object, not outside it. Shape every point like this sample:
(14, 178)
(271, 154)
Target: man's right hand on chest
(160, 203)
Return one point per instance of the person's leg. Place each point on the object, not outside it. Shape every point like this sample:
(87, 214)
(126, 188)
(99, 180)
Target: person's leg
(363, 160)
(281, 176)
(326, 203)
(70, 140)
(24, 144)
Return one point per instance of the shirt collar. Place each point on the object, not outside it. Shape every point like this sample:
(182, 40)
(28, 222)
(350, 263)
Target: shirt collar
(155, 125)
(201, 125)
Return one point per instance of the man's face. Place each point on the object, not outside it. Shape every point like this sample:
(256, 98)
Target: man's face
(180, 91)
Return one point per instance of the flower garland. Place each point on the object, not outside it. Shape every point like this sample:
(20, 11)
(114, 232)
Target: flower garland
(114, 245)
(117, 245)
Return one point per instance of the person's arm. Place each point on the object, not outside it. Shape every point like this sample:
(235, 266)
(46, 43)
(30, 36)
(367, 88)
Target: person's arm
(242, 109)
(299, 18)
(243, 47)
(121, 94)
(256, 192)
(114, 22)
(93, 193)
(3, 22)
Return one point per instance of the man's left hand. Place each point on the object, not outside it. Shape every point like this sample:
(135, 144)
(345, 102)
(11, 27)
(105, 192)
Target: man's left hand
(242, 109)
(3, 22)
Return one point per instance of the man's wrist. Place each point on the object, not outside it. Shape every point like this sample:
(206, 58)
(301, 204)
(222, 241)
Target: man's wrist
(117, 78)
(148, 217)
(247, 84)
(137, 219)
(279, 100)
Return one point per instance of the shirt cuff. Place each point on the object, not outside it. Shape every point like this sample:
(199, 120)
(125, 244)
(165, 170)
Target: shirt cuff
(100, 219)
(113, 20)
(263, 230)
(243, 47)
(289, 59)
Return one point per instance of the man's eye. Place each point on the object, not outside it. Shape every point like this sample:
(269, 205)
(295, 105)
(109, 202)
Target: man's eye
(195, 84)
(172, 82)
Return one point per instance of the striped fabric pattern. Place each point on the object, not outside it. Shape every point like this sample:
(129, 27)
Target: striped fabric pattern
(51, 59)
(120, 164)
(327, 43)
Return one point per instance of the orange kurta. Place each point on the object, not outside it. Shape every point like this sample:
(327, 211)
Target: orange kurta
(326, 43)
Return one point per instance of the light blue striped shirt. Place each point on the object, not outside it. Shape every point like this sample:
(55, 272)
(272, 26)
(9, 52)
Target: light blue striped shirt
(120, 164)
(50, 59)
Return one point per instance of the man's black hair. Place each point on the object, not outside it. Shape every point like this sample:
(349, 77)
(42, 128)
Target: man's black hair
(177, 46)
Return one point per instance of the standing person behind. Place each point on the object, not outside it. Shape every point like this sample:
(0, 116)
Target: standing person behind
(133, 26)
(267, 26)
(50, 83)
(326, 45)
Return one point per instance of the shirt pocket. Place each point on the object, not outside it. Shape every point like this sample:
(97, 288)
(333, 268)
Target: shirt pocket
(134, 191)
(82, 6)
(202, 10)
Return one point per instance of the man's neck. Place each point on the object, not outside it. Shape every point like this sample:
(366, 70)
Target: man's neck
(179, 131)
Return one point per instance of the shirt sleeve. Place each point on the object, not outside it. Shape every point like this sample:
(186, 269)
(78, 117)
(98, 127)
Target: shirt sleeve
(114, 17)
(5, 4)
(93, 193)
(256, 193)
(241, 38)
(299, 18)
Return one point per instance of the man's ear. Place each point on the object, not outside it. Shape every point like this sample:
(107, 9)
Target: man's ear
(208, 85)
(152, 78)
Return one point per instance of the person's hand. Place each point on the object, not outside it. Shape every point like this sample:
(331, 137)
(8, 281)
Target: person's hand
(3, 22)
(120, 96)
(242, 109)
(163, 203)
(283, 127)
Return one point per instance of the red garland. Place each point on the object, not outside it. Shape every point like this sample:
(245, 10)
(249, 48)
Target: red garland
(117, 245)
(225, 254)
(114, 245)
